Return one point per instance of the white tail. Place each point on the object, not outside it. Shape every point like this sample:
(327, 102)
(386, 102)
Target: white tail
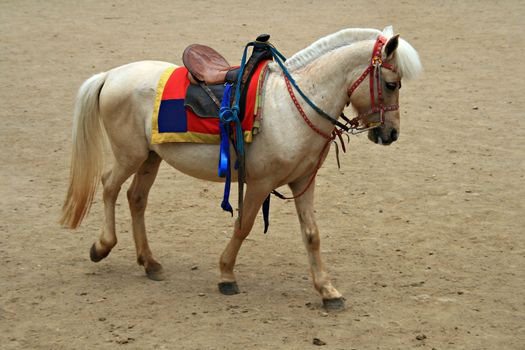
(87, 156)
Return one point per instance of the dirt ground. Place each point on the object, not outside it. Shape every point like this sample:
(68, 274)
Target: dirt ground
(424, 238)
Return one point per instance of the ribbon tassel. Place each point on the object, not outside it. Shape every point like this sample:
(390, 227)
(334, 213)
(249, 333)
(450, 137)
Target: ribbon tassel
(225, 115)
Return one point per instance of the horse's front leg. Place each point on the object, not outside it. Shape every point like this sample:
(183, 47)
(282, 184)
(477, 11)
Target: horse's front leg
(304, 204)
(255, 196)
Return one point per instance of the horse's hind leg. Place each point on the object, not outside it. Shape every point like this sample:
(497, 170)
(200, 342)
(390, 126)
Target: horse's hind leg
(138, 199)
(112, 181)
(305, 210)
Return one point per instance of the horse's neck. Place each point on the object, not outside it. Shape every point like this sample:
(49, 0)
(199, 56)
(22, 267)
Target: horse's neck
(326, 80)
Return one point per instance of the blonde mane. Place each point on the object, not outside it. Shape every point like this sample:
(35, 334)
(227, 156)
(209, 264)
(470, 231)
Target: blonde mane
(406, 58)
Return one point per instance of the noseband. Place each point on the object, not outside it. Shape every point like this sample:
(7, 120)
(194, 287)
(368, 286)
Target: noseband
(376, 99)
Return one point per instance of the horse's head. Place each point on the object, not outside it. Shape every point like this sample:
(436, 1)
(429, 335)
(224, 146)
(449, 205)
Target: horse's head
(375, 93)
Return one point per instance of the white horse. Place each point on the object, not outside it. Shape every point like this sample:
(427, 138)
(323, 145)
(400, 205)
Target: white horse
(286, 151)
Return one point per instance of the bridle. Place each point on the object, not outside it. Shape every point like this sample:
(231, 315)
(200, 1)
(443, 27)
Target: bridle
(376, 99)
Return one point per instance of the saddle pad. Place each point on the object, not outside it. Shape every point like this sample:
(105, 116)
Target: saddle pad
(173, 122)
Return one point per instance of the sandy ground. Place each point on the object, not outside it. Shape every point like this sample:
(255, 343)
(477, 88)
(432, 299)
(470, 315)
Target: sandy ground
(424, 238)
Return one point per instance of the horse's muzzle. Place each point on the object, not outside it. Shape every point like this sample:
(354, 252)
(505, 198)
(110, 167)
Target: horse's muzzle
(379, 136)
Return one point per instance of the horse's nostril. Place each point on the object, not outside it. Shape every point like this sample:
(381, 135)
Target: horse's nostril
(377, 134)
(394, 135)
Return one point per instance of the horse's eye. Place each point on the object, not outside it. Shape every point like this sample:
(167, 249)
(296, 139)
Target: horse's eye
(391, 86)
(400, 85)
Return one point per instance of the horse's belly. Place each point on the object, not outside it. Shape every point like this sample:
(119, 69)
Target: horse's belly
(197, 160)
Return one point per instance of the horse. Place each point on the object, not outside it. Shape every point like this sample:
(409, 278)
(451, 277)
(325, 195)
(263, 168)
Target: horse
(117, 105)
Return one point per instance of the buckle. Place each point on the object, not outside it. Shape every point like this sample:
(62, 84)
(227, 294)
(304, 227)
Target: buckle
(377, 61)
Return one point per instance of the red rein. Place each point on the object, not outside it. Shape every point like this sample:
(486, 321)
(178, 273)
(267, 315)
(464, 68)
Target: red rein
(307, 120)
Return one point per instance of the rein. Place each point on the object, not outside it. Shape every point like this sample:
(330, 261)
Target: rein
(302, 112)
(279, 58)
(329, 138)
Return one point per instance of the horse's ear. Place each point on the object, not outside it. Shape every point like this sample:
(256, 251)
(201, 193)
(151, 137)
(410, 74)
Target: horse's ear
(391, 46)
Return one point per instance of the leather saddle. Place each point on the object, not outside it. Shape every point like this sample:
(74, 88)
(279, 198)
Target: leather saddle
(208, 71)
(205, 65)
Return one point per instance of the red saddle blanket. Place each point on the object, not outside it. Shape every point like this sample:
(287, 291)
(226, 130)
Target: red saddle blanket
(173, 122)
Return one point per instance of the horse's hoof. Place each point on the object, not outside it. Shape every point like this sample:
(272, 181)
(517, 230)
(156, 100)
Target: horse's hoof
(335, 304)
(229, 288)
(155, 272)
(94, 256)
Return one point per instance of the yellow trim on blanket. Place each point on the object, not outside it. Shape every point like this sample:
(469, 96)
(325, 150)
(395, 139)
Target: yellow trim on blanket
(155, 136)
(195, 137)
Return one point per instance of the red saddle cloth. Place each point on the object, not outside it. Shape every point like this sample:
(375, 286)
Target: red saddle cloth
(173, 122)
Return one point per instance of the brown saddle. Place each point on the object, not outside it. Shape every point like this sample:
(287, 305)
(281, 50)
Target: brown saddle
(205, 64)
(208, 71)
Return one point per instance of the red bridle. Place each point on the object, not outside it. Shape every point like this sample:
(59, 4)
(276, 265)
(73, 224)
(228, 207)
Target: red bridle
(376, 104)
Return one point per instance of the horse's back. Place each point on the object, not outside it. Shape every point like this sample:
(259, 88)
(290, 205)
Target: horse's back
(140, 68)
(130, 79)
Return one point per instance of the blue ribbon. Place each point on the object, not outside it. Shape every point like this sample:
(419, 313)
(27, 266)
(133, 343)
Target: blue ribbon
(229, 115)
(225, 115)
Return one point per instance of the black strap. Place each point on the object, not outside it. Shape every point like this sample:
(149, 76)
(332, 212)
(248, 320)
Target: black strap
(211, 94)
